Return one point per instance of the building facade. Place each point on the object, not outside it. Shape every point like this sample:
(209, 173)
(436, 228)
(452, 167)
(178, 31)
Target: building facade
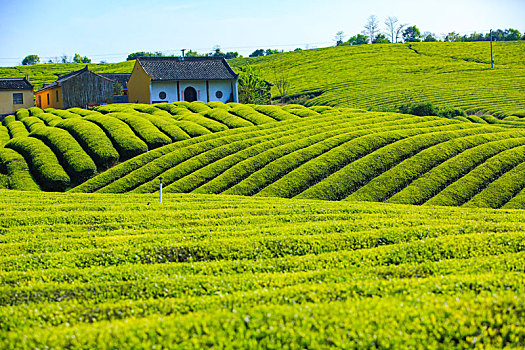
(171, 79)
(82, 88)
(15, 93)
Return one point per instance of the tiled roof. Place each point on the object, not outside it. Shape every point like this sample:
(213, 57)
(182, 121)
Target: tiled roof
(15, 84)
(68, 76)
(121, 78)
(187, 68)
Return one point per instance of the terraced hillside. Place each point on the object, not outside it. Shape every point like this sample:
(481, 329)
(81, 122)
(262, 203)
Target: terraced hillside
(122, 271)
(292, 151)
(381, 77)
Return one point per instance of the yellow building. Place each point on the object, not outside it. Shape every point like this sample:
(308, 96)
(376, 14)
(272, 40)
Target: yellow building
(15, 93)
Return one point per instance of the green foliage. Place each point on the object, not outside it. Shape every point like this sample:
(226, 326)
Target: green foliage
(43, 163)
(30, 59)
(15, 168)
(252, 88)
(93, 140)
(411, 34)
(75, 160)
(428, 108)
(228, 119)
(123, 138)
(135, 55)
(204, 271)
(358, 39)
(79, 59)
(143, 128)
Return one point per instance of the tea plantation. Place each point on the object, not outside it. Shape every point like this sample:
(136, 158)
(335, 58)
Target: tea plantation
(254, 150)
(113, 271)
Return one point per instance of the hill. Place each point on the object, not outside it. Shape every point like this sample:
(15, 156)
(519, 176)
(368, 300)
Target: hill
(381, 77)
(123, 271)
(291, 151)
(378, 77)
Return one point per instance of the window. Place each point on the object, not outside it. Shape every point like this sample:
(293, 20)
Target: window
(18, 99)
(56, 94)
(218, 94)
(162, 95)
(47, 98)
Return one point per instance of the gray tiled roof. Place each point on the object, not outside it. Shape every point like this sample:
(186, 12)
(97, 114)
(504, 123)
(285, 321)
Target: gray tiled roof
(65, 77)
(15, 84)
(187, 68)
(121, 78)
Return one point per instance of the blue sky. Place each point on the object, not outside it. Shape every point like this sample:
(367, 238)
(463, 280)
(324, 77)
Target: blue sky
(110, 30)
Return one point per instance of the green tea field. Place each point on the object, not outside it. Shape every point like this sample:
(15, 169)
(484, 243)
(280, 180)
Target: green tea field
(108, 271)
(253, 150)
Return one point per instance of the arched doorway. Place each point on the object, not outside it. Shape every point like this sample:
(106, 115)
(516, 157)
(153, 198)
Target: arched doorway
(190, 94)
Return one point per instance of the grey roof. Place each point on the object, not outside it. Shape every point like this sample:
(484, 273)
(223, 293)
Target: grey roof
(15, 84)
(187, 68)
(121, 78)
(68, 76)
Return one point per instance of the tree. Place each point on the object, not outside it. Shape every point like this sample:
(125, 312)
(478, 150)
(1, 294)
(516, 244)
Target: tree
(358, 39)
(217, 52)
(252, 88)
(134, 55)
(31, 59)
(78, 59)
(452, 37)
(118, 89)
(380, 39)
(512, 34)
(339, 38)
(411, 35)
(429, 37)
(399, 31)
(231, 54)
(64, 58)
(271, 52)
(371, 27)
(282, 81)
(257, 53)
(391, 26)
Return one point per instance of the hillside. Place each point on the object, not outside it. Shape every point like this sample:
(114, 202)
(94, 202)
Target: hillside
(381, 77)
(122, 271)
(377, 77)
(291, 151)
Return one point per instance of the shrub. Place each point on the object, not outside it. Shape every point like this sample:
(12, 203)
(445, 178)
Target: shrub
(218, 104)
(22, 113)
(4, 135)
(43, 163)
(17, 172)
(192, 129)
(167, 125)
(16, 128)
(75, 160)
(34, 111)
(143, 128)
(50, 119)
(224, 117)
(123, 138)
(275, 112)
(251, 115)
(33, 123)
(198, 107)
(93, 140)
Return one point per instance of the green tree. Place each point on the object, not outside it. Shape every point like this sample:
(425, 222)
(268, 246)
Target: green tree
(380, 39)
(271, 52)
(429, 37)
(79, 59)
(231, 54)
(411, 34)
(339, 38)
(358, 39)
(452, 37)
(257, 53)
(31, 59)
(252, 88)
(134, 55)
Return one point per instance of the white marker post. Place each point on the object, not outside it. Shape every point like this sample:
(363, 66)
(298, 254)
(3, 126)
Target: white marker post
(160, 197)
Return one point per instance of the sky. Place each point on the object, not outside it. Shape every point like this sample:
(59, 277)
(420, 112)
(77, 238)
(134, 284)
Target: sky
(108, 30)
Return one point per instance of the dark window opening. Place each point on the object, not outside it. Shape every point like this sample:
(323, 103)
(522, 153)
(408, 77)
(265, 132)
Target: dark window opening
(218, 94)
(162, 95)
(56, 94)
(47, 98)
(18, 99)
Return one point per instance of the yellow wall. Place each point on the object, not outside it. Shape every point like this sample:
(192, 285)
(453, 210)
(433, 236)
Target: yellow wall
(138, 85)
(53, 103)
(6, 100)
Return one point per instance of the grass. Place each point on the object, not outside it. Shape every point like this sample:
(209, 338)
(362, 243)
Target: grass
(123, 271)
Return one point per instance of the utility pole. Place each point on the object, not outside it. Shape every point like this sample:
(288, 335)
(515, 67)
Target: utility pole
(491, 54)
(183, 52)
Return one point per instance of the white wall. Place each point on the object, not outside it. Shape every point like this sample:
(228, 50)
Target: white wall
(170, 88)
